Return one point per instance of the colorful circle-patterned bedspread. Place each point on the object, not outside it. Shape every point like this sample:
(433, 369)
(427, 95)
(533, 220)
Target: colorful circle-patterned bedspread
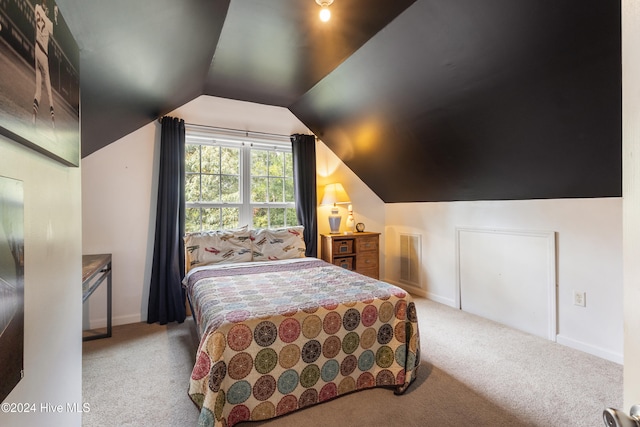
(280, 337)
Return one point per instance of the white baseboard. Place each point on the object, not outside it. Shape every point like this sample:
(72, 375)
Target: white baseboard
(422, 293)
(119, 320)
(590, 349)
(442, 300)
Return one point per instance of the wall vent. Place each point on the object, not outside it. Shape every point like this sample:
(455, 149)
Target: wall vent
(410, 257)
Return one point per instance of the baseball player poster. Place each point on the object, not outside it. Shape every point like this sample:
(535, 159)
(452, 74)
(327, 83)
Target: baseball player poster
(40, 85)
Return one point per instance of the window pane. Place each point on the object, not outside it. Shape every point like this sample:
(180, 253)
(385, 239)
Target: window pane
(276, 190)
(215, 175)
(276, 163)
(289, 194)
(210, 219)
(288, 164)
(259, 159)
(192, 188)
(258, 190)
(291, 217)
(260, 218)
(210, 159)
(230, 188)
(192, 158)
(210, 188)
(230, 217)
(230, 161)
(192, 220)
(276, 217)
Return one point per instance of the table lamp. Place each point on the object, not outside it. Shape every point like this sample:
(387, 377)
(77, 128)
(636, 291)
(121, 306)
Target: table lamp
(334, 194)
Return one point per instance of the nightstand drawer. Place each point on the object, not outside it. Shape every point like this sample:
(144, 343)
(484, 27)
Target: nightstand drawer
(342, 247)
(368, 244)
(366, 260)
(346, 262)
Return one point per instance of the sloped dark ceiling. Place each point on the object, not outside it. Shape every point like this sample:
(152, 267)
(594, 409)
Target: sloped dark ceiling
(428, 100)
(139, 59)
(490, 99)
(273, 52)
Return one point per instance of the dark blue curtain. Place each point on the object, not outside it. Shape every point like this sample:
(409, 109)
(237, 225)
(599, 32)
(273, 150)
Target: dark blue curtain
(166, 296)
(303, 148)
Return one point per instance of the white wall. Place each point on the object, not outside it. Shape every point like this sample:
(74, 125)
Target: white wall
(52, 288)
(118, 204)
(589, 257)
(631, 195)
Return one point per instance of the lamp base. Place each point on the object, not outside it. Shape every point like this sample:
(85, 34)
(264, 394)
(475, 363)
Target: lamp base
(334, 221)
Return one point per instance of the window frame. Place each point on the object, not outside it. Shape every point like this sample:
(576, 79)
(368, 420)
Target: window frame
(246, 142)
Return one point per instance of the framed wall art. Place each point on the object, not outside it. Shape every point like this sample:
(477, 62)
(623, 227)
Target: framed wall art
(40, 95)
(11, 284)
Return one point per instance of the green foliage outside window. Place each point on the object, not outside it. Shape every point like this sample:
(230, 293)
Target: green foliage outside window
(213, 179)
(271, 177)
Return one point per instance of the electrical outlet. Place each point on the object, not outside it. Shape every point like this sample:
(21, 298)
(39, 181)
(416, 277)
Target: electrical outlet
(580, 298)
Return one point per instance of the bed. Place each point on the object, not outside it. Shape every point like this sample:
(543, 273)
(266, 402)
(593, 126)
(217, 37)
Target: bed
(280, 332)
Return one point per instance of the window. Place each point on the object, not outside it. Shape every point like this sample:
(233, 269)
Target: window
(232, 180)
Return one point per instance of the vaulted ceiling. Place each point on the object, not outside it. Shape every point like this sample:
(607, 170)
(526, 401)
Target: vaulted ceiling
(427, 100)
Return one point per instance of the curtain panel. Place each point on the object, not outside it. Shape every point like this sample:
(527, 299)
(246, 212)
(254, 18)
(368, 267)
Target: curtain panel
(303, 148)
(166, 296)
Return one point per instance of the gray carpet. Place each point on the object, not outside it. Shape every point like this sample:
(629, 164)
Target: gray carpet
(474, 372)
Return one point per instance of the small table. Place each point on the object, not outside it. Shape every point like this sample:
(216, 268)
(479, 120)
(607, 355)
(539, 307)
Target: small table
(95, 269)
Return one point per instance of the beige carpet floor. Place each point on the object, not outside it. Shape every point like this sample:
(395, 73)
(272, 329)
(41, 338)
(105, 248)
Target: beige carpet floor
(474, 372)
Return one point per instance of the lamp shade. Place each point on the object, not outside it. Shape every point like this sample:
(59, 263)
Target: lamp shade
(334, 194)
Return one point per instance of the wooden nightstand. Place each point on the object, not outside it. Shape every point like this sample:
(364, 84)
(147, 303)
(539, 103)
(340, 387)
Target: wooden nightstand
(358, 251)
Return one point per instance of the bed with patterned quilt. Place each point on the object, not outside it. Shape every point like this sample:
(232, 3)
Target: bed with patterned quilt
(280, 332)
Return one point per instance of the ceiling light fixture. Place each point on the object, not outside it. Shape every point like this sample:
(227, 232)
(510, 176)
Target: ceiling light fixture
(325, 13)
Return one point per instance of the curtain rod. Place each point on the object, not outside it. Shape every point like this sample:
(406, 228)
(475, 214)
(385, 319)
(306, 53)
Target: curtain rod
(246, 133)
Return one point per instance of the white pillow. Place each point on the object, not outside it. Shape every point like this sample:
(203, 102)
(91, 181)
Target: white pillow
(213, 247)
(280, 243)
